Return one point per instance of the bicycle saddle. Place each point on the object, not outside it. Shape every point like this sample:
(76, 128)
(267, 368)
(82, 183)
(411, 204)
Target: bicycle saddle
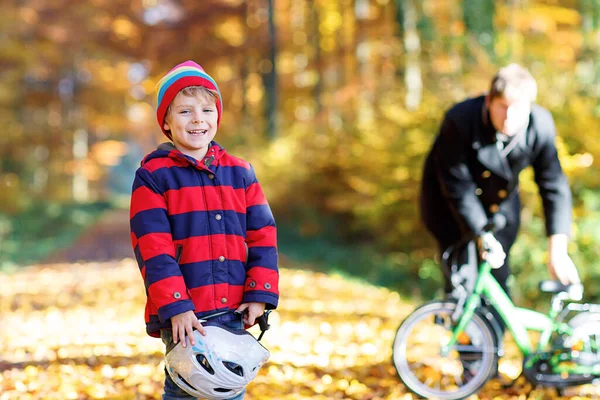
(574, 292)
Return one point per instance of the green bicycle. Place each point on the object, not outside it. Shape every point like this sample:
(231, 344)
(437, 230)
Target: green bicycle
(448, 349)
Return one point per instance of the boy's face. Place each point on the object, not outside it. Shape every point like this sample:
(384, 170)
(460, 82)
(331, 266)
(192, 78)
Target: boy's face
(193, 124)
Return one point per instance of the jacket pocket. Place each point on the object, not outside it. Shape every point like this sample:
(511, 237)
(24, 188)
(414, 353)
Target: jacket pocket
(178, 251)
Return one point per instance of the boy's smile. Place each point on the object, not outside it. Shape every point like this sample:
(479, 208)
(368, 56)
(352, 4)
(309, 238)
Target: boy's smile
(193, 124)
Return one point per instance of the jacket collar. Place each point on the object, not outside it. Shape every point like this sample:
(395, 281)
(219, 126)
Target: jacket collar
(214, 154)
(485, 144)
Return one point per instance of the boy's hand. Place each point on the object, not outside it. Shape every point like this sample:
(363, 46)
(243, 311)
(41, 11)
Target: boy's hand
(183, 324)
(255, 310)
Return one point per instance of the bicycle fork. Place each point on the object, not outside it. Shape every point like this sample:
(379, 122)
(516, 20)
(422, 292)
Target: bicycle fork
(464, 315)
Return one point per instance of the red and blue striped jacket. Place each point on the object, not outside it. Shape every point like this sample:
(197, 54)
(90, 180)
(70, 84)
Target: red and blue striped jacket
(203, 235)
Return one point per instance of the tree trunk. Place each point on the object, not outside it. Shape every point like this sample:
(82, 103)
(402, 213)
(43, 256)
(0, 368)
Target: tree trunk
(478, 16)
(412, 46)
(318, 89)
(270, 77)
(589, 62)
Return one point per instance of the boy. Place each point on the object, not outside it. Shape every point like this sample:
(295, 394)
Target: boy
(202, 231)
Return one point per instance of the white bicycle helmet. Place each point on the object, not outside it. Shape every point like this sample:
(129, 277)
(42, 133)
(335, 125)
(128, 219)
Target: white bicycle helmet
(219, 366)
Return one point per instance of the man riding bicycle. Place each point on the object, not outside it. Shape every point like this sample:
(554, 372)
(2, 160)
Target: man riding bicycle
(471, 173)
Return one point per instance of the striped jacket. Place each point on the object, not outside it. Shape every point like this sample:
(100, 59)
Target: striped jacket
(203, 235)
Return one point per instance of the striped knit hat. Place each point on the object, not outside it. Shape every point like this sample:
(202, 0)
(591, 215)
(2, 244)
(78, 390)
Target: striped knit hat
(183, 75)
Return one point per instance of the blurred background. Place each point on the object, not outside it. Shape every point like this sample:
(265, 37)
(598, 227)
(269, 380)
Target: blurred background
(335, 102)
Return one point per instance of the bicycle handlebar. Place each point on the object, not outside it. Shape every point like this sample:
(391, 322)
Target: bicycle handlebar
(495, 223)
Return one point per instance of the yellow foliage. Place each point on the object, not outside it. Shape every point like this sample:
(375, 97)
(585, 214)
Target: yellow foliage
(10, 187)
(558, 14)
(232, 31)
(108, 152)
(77, 333)
(124, 28)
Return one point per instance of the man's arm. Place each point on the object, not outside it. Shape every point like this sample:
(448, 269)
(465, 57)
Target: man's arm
(549, 177)
(556, 199)
(450, 152)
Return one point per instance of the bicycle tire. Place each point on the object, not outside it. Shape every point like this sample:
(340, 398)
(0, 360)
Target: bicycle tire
(580, 347)
(586, 335)
(487, 347)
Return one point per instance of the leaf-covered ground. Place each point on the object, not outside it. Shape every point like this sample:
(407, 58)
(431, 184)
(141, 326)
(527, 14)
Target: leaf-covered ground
(75, 331)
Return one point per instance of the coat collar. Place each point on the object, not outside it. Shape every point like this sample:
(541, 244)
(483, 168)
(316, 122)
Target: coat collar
(485, 144)
(214, 154)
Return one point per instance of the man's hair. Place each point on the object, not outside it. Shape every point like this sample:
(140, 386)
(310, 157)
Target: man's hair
(513, 81)
(196, 91)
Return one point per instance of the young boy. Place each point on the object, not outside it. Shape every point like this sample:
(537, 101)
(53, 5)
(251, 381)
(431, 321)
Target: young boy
(201, 229)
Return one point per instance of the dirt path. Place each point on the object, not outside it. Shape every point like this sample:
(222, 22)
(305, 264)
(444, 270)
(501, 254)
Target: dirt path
(78, 328)
(106, 240)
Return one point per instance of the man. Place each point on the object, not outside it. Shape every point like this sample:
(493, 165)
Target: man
(471, 173)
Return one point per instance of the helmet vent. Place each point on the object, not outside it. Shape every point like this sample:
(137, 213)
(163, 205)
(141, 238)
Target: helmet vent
(205, 364)
(222, 390)
(186, 382)
(234, 367)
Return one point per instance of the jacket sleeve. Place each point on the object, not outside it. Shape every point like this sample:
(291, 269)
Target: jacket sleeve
(262, 273)
(552, 182)
(451, 150)
(154, 248)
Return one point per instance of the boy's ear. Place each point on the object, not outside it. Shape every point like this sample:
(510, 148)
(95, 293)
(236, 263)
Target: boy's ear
(166, 126)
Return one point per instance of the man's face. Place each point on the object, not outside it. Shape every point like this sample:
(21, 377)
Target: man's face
(508, 115)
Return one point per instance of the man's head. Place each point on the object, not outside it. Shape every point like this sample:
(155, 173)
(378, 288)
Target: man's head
(180, 81)
(512, 92)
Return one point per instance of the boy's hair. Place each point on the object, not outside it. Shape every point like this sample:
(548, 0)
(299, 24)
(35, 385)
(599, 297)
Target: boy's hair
(196, 91)
(513, 81)
(182, 76)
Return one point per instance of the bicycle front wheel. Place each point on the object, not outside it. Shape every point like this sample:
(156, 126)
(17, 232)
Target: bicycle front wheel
(419, 361)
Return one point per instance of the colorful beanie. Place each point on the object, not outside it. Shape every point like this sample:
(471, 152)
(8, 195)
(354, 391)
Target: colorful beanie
(183, 75)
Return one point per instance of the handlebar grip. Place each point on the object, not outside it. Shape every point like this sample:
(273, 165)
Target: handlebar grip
(263, 322)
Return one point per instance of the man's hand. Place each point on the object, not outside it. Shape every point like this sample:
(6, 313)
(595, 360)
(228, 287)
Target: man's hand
(562, 269)
(183, 324)
(491, 250)
(255, 310)
(560, 265)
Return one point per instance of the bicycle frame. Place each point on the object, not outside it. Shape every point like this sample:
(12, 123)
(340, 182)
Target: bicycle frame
(519, 321)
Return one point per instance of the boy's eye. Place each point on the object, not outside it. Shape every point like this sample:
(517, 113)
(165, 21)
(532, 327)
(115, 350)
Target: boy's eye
(184, 111)
(208, 110)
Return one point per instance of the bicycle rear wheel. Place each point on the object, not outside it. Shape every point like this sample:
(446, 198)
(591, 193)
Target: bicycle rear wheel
(580, 348)
(584, 349)
(422, 368)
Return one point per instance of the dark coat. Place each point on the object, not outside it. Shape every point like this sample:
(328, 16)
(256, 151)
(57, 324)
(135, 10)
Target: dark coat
(466, 180)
